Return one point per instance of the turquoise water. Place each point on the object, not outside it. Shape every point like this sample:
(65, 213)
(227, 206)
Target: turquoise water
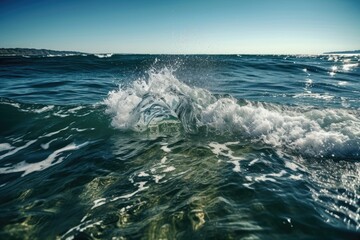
(180, 147)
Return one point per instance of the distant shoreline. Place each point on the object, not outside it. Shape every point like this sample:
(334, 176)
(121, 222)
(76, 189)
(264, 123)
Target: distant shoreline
(35, 52)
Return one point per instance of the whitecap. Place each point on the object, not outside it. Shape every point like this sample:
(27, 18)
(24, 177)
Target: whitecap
(163, 98)
(104, 55)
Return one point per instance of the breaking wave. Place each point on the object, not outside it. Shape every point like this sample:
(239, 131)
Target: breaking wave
(164, 103)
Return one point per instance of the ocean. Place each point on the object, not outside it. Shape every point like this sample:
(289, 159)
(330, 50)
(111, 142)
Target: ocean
(115, 146)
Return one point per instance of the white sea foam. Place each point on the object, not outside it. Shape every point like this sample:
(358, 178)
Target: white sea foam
(54, 133)
(82, 129)
(163, 160)
(143, 174)
(46, 146)
(160, 97)
(51, 160)
(80, 228)
(267, 177)
(59, 114)
(166, 149)
(104, 55)
(12, 152)
(74, 110)
(169, 169)
(314, 95)
(5, 146)
(99, 202)
(44, 109)
(141, 187)
(223, 150)
(157, 178)
(16, 105)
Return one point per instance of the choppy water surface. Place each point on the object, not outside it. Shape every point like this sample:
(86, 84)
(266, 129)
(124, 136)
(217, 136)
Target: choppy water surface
(180, 147)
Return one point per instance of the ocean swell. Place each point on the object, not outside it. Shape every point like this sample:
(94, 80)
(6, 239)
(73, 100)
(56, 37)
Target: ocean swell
(161, 99)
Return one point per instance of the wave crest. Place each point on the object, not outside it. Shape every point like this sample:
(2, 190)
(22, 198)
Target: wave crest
(162, 99)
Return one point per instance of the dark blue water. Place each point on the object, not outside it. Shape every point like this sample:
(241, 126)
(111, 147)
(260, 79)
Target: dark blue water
(176, 147)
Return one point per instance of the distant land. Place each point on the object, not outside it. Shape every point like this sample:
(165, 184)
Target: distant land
(344, 52)
(35, 52)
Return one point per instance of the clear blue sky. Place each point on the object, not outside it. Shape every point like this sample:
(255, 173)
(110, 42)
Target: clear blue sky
(182, 26)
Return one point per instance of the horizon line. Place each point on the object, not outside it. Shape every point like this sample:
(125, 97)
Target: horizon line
(129, 53)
